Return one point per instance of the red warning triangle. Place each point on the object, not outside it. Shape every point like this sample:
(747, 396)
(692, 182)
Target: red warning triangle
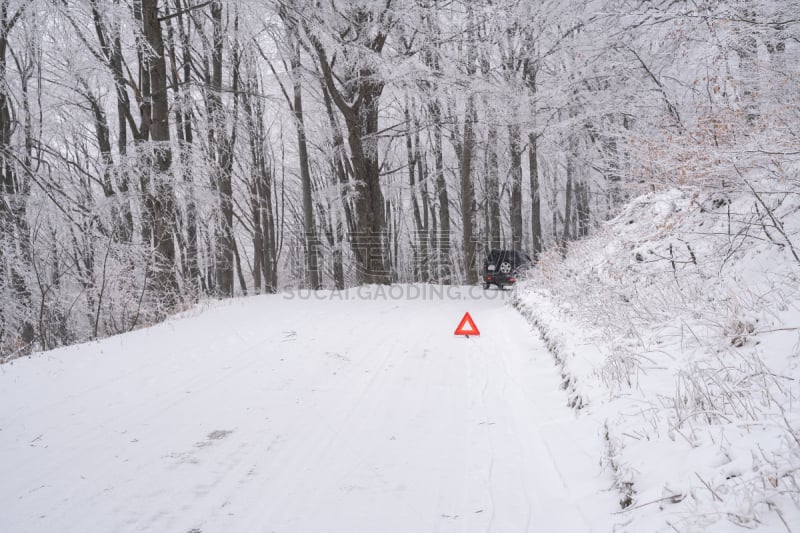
(472, 329)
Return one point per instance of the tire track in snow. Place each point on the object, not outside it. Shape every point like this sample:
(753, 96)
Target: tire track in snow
(142, 414)
(303, 458)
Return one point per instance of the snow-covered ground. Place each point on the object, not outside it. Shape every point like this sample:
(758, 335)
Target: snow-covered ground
(335, 412)
(662, 396)
(677, 326)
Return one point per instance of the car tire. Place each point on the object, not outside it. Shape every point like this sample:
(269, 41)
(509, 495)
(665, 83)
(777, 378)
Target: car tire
(486, 286)
(505, 268)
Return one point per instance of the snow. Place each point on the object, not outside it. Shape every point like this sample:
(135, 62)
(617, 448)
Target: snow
(645, 382)
(355, 411)
(676, 328)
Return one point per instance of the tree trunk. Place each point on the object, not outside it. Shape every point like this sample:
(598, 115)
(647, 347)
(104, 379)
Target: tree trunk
(529, 71)
(160, 197)
(260, 189)
(185, 133)
(420, 238)
(492, 189)
(582, 207)
(226, 252)
(258, 236)
(310, 233)
(443, 259)
(515, 142)
(424, 238)
(269, 261)
(566, 234)
(468, 193)
(338, 259)
(341, 169)
(14, 191)
(536, 200)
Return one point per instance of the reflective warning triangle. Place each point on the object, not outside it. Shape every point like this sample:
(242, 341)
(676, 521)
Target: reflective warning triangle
(472, 329)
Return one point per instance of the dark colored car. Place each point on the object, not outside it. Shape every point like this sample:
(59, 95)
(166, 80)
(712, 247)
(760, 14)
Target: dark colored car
(502, 267)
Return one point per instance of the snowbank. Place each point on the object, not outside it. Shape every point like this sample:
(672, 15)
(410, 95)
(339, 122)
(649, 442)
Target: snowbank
(676, 327)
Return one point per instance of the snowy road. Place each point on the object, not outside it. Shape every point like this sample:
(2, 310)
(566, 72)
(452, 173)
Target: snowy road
(355, 413)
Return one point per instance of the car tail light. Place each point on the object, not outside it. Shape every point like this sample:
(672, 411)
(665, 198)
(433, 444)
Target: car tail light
(489, 278)
(512, 280)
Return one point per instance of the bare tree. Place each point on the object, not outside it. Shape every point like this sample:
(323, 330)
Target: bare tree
(358, 99)
(15, 245)
(159, 192)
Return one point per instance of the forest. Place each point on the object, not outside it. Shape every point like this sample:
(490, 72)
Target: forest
(154, 153)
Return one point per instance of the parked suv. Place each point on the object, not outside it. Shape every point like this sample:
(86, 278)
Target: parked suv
(501, 267)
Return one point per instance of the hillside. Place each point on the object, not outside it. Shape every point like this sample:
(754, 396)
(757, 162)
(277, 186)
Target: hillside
(676, 328)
